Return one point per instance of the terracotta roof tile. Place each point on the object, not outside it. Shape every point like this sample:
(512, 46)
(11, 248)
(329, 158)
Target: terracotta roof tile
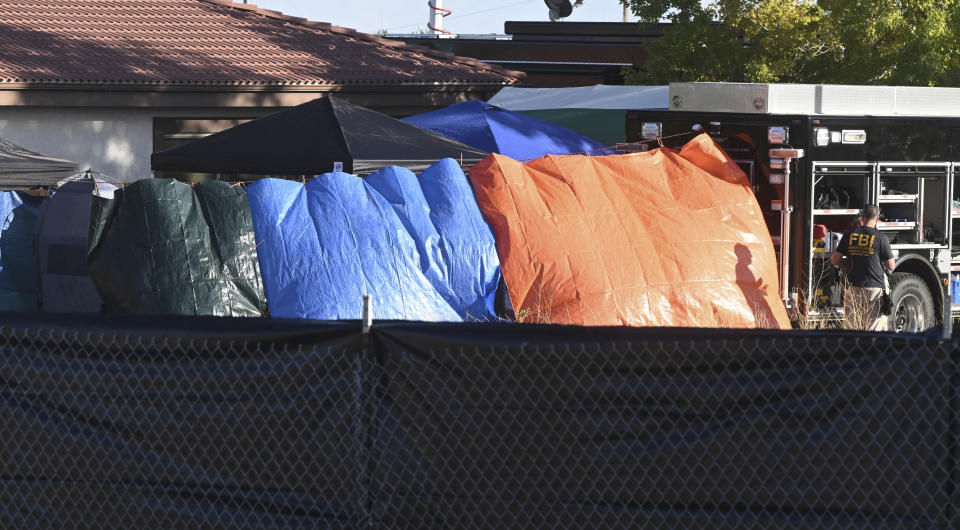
(208, 42)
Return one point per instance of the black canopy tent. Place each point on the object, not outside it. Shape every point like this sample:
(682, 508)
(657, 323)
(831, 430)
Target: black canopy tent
(308, 139)
(20, 168)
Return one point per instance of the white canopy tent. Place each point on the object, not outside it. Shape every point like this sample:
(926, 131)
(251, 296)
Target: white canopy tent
(597, 112)
(613, 97)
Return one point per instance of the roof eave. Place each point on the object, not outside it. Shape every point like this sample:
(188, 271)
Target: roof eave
(221, 96)
(235, 87)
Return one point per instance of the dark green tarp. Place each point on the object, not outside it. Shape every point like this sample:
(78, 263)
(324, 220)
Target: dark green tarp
(163, 247)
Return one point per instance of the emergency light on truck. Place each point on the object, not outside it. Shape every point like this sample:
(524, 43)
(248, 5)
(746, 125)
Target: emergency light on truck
(854, 136)
(778, 135)
(823, 136)
(651, 130)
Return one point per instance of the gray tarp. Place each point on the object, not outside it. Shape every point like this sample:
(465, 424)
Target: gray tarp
(164, 247)
(20, 168)
(62, 229)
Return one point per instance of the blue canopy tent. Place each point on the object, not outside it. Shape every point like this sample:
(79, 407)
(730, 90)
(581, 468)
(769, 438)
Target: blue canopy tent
(489, 128)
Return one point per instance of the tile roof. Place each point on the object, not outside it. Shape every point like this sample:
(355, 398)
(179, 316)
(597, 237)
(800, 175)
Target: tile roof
(209, 42)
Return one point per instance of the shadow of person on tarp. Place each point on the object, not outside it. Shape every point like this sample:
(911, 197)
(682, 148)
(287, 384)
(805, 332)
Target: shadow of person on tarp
(754, 290)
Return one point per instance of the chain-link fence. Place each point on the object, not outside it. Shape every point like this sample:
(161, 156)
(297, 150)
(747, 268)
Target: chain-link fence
(109, 423)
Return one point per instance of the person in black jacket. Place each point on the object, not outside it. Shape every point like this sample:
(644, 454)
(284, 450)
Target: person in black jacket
(862, 255)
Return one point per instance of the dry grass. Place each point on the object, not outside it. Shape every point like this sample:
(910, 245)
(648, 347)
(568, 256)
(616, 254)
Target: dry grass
(855, 316)
(803, 320)
(761, 320)
(540, 313)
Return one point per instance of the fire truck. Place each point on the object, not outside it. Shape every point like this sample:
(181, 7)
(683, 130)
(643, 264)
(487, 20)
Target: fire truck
(815, 154)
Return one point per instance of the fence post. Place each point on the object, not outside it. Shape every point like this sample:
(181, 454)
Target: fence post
(368, 399)
(367, 313)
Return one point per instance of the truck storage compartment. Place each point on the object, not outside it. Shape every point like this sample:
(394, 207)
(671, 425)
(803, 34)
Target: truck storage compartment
(913, 211)
(955, 222)
(838, 192)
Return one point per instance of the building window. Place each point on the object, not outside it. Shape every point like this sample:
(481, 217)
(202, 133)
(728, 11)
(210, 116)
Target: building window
(174, 132)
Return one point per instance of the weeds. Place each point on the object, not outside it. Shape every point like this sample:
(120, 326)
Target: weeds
(856, 314)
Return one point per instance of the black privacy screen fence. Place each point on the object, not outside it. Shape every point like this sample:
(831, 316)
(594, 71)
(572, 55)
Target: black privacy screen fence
(145, 422)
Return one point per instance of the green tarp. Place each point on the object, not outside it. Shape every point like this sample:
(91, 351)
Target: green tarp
(164, 247)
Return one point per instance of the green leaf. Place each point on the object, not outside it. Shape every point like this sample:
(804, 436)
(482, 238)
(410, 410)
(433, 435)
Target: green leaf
(907, 42)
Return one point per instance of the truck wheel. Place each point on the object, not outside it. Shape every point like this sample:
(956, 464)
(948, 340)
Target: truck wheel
(913, 308)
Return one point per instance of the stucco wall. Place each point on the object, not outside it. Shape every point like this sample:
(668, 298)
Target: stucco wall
(115, 142)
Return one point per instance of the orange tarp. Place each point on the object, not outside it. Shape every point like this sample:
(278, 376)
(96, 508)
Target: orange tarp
(662, 238)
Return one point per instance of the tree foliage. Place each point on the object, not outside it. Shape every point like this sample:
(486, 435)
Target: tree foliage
(882, 42)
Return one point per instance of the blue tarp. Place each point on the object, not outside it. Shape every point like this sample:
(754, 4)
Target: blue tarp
(18, 271)
(490, 128)
(420, 247)
(458, 253)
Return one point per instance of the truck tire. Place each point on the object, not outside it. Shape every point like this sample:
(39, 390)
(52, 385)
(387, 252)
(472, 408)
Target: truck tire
(913, 307)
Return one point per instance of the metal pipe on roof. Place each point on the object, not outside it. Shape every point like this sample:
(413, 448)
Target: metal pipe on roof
(437, 14)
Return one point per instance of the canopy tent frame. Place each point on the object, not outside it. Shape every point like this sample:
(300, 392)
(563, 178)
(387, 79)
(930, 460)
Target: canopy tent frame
(21, 168)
